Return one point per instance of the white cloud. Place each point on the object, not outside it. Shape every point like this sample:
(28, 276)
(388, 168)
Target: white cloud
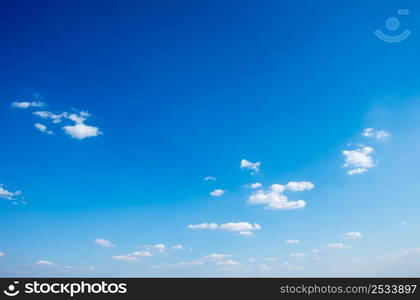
(352, 235)
(217, 193)
(255, 185)
(239, 227)
(161, 248)
(217, 256)
(337, 246)
(78, 130)
(358, 160)
(291, 267)
(242, 228)
(132, 257)
(275, 199)
(8, 195)
(377, 134)
(209, 178)
(193, 263)
(81, 131)
(292, 241)
(45, 263)
(227, 263)
(263, 268)
(104, 243)
(56, 118)
(2, 254)
(43, 128)
(245, 164)
(211, 226)
(299, 186)
(297, 255)
(177, 247)
(26, 104)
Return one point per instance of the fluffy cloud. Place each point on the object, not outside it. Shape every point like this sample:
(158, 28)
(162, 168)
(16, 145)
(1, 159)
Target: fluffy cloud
(203, 226)
(245, 164)
(297, 255)
(81, 131)
(292, 241)
(45, 263)
(242, 228)
(275, 199)
(104, 243)
(217, 193)
(338, 246)
(43, 128)
(132, 257)
(352, 235)
(377, 134)
(358, 160)
(8, 195)
(26, 104)
(209, 178)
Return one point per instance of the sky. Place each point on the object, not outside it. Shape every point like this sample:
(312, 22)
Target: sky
(209, 138)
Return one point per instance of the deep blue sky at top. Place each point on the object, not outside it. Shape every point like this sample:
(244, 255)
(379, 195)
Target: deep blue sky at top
(183, 90)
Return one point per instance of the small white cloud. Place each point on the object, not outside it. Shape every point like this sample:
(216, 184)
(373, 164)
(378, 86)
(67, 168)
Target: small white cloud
(217, 256)
(81, 131)
(263, 268)
(352, 235)
(337, 246)
(245, 164)
(292, 241)
(8, 195)
(43, 128)
(161, 248)
(104, 243)
(242, 228)
(209, 178)
(227, 263)
(217, 193)
(132, 257)
(377, 134)
(2, 254)
(271, 259)
(359, 160)
(255, 185)
(45, 263)
(56, 118)
(290, 267)
(211, 226)
(275, 199)
(26, 104)
(297, 255)
(177, 247)
(239, 227)
(404, 223)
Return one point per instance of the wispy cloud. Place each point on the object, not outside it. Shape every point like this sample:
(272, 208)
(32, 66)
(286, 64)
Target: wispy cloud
(217, 193)
(245, 164)
(376, 134)
(241, 228)
(27, 104)
(104, 243)
(132, 257)
(43, 128)
(352, 235)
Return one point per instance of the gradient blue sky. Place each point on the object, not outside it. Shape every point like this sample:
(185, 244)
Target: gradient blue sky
(187, 89)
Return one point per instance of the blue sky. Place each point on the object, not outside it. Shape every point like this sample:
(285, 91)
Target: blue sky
(112, 113)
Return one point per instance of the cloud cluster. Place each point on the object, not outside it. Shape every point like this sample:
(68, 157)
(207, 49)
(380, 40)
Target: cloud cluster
(381, 135)
(359, 160)
(77, 129)
(275, 199)
(242, 228)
